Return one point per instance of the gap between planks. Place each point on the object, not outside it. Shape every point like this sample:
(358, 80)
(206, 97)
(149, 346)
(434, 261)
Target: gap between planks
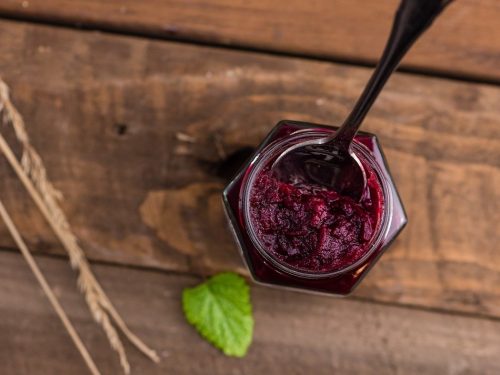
(366, 300)
(97, 27)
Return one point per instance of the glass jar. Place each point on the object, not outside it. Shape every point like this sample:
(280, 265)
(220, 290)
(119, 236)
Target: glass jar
(268, 269)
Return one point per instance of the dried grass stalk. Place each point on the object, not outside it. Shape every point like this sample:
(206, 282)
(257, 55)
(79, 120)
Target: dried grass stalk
(47, 289)
(32, 174)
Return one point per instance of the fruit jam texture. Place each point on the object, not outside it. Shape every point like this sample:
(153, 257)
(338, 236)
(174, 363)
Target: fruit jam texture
(311, 228)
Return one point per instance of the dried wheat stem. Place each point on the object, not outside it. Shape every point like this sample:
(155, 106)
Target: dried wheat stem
(32, 174)
(86, 280)
(86, 275)
(47, 289)
(151, 354)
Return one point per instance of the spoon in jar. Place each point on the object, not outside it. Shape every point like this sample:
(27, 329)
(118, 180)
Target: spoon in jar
(329, 161)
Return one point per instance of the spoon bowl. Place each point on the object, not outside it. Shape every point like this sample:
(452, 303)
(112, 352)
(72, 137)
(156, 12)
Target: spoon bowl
(319, 162)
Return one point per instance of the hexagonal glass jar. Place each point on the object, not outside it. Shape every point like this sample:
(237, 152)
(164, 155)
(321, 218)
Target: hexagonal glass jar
(266, 269)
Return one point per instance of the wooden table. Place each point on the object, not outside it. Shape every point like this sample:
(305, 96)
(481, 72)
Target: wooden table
(136, 116)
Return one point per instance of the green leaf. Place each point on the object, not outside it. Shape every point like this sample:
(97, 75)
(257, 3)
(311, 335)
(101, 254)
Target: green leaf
(221, 311)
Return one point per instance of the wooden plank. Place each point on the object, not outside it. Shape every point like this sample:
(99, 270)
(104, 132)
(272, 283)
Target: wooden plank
(294, 333)
(466, 41)
(106, 112)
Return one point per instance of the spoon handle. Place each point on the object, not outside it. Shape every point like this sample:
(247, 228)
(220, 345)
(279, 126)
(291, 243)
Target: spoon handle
(411, 20)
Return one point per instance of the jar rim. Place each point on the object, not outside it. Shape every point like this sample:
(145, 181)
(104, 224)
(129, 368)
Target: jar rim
(262, 159)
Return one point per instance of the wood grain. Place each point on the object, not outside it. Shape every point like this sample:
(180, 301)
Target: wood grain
(294, 333)
(134, 133)
(464, 41)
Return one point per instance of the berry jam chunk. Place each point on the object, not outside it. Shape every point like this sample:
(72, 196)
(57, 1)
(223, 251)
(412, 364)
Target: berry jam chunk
(311, 228)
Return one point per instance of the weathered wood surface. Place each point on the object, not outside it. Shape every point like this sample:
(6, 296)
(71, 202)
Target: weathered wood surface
(466, 40)
(107, 113)
(294, 333)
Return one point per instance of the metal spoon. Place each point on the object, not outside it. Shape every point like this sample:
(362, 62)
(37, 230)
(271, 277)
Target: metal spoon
(329, 161)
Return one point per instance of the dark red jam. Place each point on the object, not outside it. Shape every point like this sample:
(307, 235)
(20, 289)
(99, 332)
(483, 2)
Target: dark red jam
(311, 228)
